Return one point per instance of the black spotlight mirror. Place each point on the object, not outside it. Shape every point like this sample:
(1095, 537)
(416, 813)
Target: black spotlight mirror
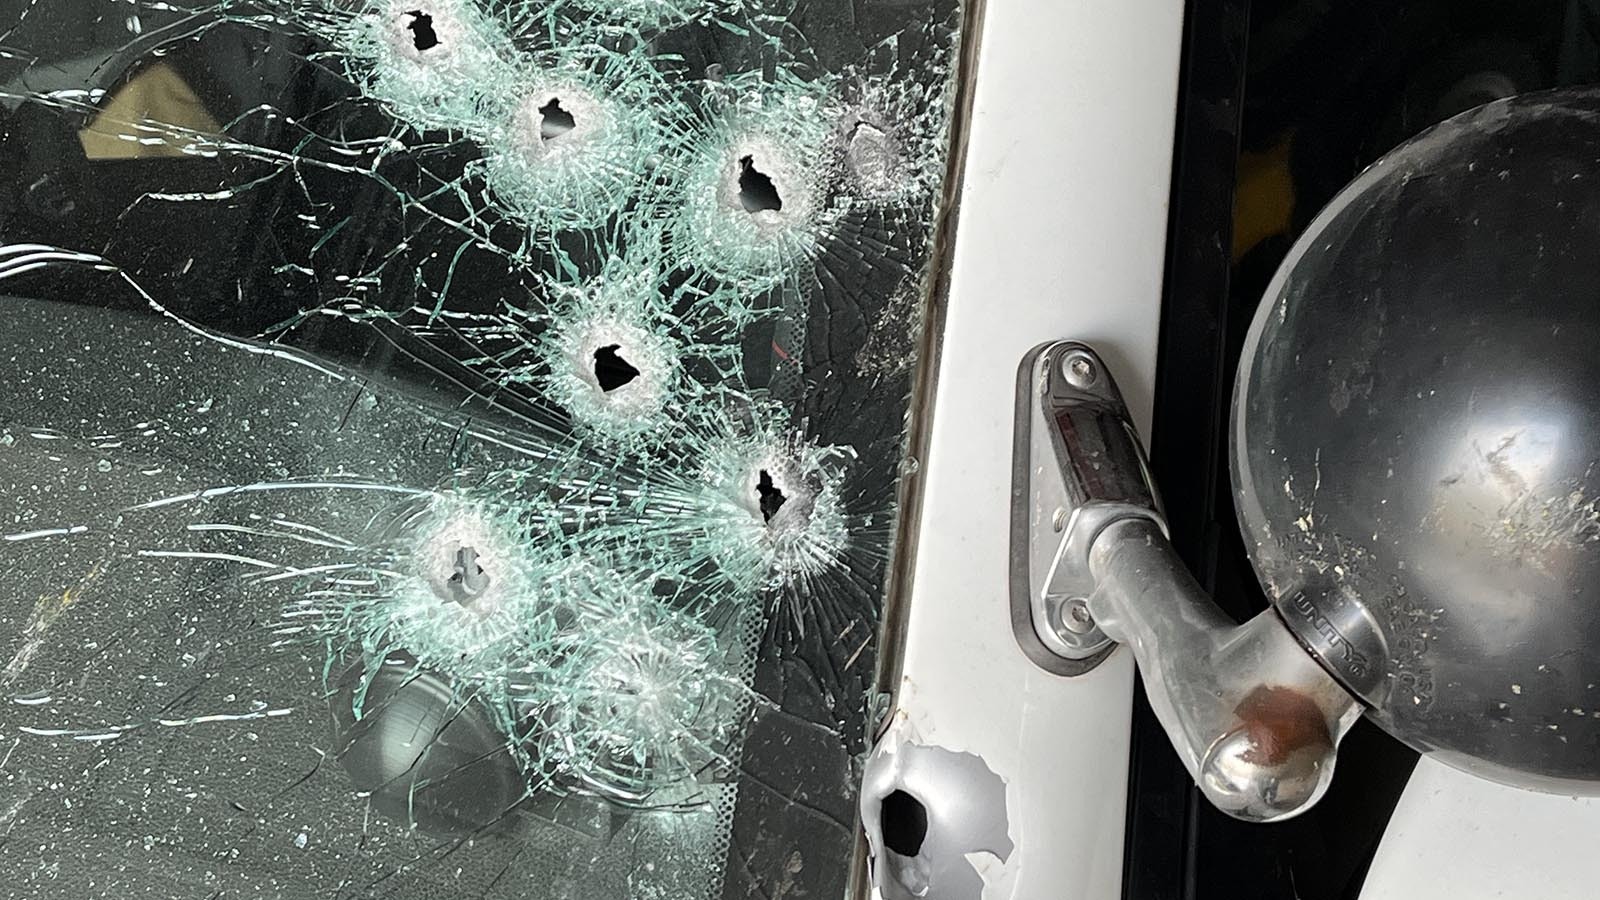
(1415, 439)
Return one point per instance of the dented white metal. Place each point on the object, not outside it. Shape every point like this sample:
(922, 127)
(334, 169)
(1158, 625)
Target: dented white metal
(1061, 230)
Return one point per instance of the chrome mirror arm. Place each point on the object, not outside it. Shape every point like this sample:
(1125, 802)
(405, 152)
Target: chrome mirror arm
(1254, 717)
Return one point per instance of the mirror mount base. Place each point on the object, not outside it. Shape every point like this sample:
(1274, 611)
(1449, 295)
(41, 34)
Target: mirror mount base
(1254, 717)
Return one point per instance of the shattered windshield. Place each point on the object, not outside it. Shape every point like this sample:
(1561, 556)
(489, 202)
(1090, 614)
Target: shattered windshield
(451, 448)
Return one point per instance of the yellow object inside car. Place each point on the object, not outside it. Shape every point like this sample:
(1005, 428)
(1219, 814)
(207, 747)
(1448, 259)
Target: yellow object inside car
(156, 94)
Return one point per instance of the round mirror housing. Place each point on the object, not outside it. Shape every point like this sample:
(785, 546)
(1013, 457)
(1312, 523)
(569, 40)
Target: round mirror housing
(1416, 441)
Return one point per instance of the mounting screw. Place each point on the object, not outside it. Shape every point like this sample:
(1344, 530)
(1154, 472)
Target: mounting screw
(1079, 370)
(1075, 616)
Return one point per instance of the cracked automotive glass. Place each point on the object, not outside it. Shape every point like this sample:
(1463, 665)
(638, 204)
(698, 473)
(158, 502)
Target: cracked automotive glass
(450, 447)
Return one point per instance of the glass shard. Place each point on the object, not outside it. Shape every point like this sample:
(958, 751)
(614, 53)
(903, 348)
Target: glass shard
(452, 447)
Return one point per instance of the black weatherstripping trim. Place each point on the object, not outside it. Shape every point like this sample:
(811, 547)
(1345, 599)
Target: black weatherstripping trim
(1177, 846)
(1190, 400)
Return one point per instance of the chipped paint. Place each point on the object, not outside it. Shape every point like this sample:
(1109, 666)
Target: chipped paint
(963, 838)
